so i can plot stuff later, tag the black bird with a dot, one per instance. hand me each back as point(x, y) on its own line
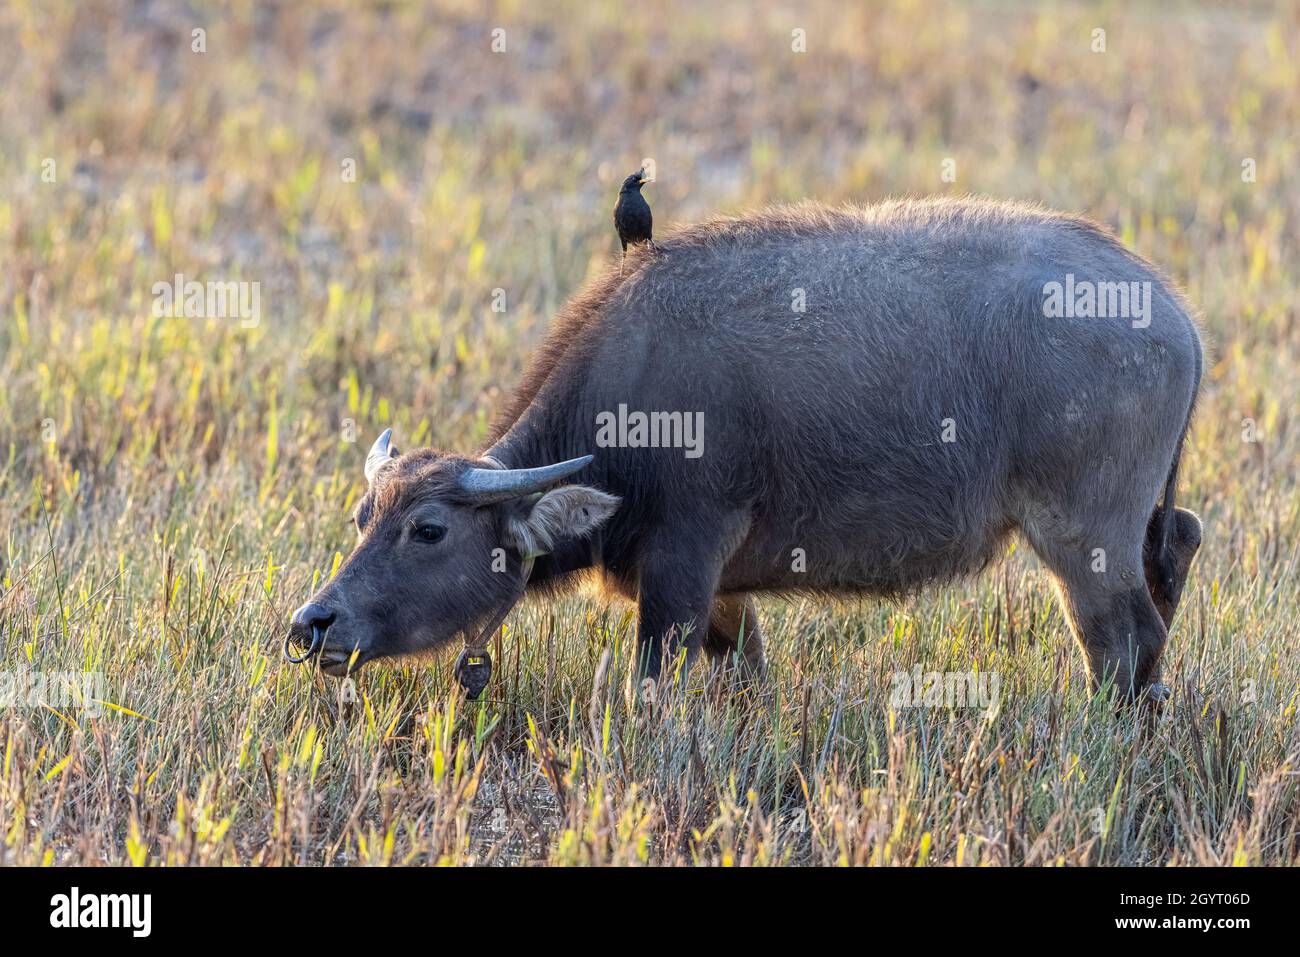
point(632, 216)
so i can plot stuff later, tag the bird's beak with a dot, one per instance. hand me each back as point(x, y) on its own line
point(643, 180)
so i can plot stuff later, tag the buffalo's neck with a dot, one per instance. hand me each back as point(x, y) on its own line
point(555, 571)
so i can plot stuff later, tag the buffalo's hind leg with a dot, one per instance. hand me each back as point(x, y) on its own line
point(1110, 610)
point(734, 636)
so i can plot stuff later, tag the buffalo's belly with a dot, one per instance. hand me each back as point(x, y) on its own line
point(884, 544)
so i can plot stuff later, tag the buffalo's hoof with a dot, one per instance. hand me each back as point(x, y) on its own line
point(1158, 693)
point(1155, 701)
point(473, 671)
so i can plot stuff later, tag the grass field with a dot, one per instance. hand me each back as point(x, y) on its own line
point(171, 488)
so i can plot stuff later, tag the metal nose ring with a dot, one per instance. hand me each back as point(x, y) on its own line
point(317, 639)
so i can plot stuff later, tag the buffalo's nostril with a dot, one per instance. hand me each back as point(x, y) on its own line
point(312, 615)
point(307, 630)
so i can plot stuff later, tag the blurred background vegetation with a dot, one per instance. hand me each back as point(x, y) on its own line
point(170, 488)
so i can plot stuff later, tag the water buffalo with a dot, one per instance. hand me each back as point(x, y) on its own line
point(811, 400)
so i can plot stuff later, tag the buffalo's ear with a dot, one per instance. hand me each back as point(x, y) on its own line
point(570, 511)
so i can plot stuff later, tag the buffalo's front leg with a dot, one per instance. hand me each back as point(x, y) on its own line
point(673, 614)
point(735, 637)
point(675, 587)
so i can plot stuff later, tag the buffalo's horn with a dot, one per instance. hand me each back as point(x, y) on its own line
point(380, 453)
point(486, 486)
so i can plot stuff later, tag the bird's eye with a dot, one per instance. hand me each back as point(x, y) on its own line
point(428, 532)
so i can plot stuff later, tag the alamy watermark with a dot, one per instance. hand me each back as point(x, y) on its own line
point(945, 689)
point(74, 909)
point(1085, 299)
point(651, 430)
point(61, 690)
point(211, 300)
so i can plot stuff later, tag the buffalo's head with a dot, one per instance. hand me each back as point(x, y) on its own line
point(442, 543)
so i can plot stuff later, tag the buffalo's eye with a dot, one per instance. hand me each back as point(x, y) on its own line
point(428, 532)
